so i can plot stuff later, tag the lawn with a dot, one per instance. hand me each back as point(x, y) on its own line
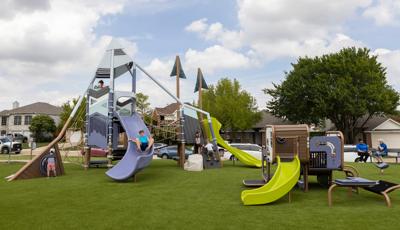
point(166, 197)
point(38, 145)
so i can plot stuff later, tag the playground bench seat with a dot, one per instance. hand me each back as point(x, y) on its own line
point(379, 187)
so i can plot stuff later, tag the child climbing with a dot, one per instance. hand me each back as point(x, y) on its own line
point(210, 151)
point(143, 141)
point(51, 164)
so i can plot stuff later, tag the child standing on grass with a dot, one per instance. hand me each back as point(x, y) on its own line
point(51, 164)
point(144, 142)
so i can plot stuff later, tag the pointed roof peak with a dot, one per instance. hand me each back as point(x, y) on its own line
point(114, 44)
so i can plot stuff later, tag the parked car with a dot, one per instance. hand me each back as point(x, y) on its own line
point(221, 151)
point(252, 149)
point(159, 145)
point(17, 137)
point(171, 152)
point(7, 146)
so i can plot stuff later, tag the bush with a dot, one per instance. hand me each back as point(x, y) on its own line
point(42, 128)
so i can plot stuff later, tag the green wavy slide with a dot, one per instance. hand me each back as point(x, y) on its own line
point(242, 156)
point(284, 179)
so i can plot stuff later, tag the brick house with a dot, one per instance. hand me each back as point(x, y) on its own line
point(165, 116)
point(18, 119)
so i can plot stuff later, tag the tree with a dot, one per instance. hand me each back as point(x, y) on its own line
point(143, 106)
point(79, 118)
point(235, 108)
point(42, 127)
point(348, 88)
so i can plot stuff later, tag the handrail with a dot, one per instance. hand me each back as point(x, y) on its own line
point(179, 101)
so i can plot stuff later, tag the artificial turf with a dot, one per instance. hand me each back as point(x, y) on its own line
point(166, 197)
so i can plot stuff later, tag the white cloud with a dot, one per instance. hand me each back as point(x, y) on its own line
point(273, 29)
point(52, 45)
point(384, 12)
point(216, 58)
point(390, 59)
point(216, 32)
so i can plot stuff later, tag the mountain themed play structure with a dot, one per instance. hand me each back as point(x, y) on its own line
point(110, 112)
point(297, 156)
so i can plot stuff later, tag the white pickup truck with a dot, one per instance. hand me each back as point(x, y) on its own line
point(7, 146)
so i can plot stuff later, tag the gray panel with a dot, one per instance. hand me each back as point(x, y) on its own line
point(97, 136)
point(96, 93)
point(190, 127)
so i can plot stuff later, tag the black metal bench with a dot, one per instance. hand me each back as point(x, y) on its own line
point(379, 187)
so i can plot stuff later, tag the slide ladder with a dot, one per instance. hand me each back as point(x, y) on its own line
point(284, 179)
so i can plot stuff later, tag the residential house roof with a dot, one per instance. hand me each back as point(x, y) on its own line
point(35, 108)
point(268, 118)
point(169, 109)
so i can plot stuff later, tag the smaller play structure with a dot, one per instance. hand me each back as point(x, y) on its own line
point(296, 154)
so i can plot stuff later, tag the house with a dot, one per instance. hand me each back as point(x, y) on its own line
point(165, 122)
point(256, 134)
point(18, 119)
point(383, 128)
point(165, 116)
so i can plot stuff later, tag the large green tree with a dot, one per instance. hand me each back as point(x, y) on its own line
point(234, 107)
point(78, 121)
point(348, 87)
point(42, 127)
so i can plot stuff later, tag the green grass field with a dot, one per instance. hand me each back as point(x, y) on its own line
point(166, 197)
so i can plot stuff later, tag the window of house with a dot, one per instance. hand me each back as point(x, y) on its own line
point(4, 120)
point(28, 120)
point(17, 120)
point(3, 132)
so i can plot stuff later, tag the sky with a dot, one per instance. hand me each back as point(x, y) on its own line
point(49, 49)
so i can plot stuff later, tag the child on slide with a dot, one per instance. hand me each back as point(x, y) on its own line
point(143, 142)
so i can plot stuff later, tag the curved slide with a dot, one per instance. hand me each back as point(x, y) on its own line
point(242, 156)
point(133, 160)
point(284, 179)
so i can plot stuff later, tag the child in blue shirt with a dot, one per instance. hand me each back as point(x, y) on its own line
point(144, 142)
point(362, 151)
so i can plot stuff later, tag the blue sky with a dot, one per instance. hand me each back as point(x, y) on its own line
point(52, 47)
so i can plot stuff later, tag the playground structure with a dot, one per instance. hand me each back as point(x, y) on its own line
point(296, 155)
point(110, 112)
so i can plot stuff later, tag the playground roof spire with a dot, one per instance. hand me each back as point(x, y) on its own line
point(175, 69)
point(200, 82)
point(122, 62)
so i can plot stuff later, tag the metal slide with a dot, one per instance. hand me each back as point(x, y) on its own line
point(133, 160)
point(242, 156)
point(284, 179)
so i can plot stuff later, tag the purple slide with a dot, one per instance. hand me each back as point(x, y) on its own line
point(133, 160)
